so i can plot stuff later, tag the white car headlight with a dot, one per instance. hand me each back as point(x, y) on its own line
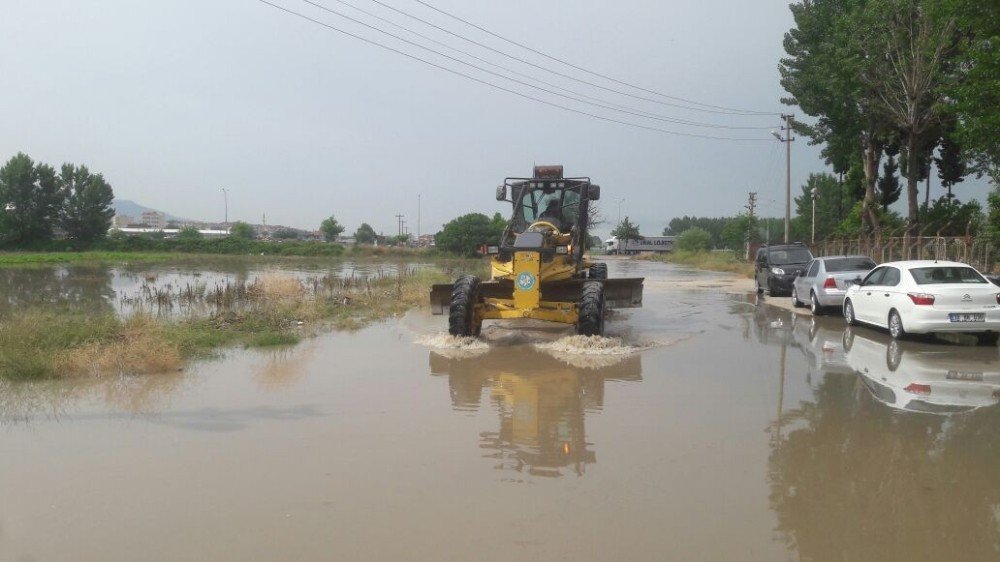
point(777, 271)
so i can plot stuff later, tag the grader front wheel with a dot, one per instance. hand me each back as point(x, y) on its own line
point(591, 310)
point(462, 319)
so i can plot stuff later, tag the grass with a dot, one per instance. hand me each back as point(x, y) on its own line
point(25, 258)
point(48, 342)
point(47, 258)
point(724, 261)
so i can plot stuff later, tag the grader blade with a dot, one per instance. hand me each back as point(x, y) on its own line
point(618, 293)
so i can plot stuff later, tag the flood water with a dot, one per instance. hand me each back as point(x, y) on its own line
point(716, 428)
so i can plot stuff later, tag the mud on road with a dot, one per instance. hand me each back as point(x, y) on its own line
point(707, 426)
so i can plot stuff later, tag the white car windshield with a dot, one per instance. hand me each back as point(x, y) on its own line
point(945, 274)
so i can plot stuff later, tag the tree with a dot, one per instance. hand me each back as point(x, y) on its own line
point(465, 234)
point(330, 228)
point(993, 215)
point(30, 201)
point(240, 229)
point(694, 239)
point(888, 185)
point(87, 213)
point(365, 234)
point(626, 231)
point(976, 90)
point(950, 162)
point(826, 59)
point(906, 45)
point(189, 233)
point(828, 195)
point(595, 242)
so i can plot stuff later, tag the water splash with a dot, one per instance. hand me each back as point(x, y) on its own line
point(589, 345)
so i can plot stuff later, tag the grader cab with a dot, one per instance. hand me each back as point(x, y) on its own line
point(540, 268)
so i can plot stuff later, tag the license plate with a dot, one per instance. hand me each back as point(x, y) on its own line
point(967, 317)
point(964, 376)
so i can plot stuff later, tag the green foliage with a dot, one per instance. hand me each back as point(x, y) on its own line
point(241, 230)
point(950, 217)
point(30, 201)
point(992, 226)
point(950, 162)
point(976, 94)
point(595, 242)
point(465, 234)
point(365, 234)
point(829, 207)
point(889, 188)
point(626, 231)
point(330, 228)
point(694, 239)
point(87, 213)
point(186, 233)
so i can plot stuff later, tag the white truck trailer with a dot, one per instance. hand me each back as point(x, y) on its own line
point(648, 244)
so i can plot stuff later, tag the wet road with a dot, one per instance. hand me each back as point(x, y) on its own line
point(716, 429)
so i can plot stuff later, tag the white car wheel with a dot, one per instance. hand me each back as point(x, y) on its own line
point(849, 313)
point(896, 326)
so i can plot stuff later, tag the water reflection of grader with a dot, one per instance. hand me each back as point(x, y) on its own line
point(539, 267)
point(542, 402)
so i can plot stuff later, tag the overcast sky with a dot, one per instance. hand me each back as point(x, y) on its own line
point(173, 101)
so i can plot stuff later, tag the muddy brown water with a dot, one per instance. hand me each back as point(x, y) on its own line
point(717, 428)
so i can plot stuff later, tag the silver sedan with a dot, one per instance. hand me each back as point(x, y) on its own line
point(825, 280)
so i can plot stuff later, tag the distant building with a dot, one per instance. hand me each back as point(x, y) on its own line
point(154, 219)
point(121, 221)
point(425, 240)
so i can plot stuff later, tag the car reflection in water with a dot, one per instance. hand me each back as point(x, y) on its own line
point(541, 398)
point(920, 377)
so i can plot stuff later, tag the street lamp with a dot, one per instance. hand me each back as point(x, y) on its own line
point(225, 200)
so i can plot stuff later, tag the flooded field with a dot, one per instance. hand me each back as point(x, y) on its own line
point(172, 289)
point(707, 426)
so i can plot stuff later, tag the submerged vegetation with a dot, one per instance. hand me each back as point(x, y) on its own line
point(163, 327)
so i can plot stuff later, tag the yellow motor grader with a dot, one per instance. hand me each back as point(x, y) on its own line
point(540, 268)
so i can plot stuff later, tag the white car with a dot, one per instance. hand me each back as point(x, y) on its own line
point(921, 297)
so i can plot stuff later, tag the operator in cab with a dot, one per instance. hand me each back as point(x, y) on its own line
point(552, 214)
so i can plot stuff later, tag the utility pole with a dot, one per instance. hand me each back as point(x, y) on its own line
point(787, 127)
point(812, 239)
point(751, 208)
point(225, 201)
point(418, 216)
point(399, 225)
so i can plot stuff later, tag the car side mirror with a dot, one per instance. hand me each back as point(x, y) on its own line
point(858, 280)
point(501, 193)
point(800, 273)
point(594, 192)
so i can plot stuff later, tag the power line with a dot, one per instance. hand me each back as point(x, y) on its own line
point(602, 105)
point(502, 88)
point(564, 75)
point(601, 102)
point(588, 71)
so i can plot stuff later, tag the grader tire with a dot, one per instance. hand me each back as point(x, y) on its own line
point(598, 271)
point(462, 310)
point(591, 310)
